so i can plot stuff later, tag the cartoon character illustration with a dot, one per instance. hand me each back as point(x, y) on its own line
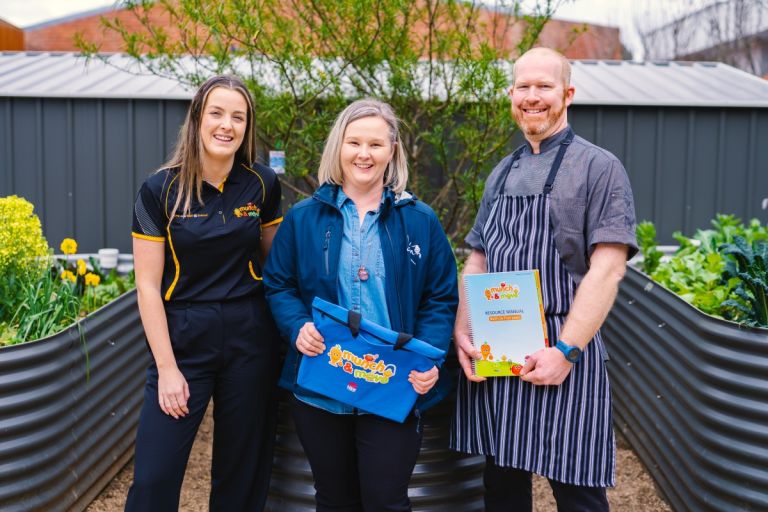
point(515, 369)
point(335, 355)
point(504, 358)
point(485, 351)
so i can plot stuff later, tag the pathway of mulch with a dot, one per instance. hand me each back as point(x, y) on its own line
point(634, 487)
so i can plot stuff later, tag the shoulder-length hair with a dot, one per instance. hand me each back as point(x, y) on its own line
point(396, 175)
point(187, 155)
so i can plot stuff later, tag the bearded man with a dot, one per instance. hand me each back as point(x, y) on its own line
point(563, 206)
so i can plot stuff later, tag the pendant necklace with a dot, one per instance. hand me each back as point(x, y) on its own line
point(362, 273)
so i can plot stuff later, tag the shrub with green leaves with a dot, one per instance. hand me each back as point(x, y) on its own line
point(23, 250)
point(721, 271)
point(442, 64)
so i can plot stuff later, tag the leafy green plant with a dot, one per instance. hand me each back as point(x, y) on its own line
point(646, 238)
point(721, 271)
point(23, 252)
point(442, 65)
point(46, 303)
point(749, 264)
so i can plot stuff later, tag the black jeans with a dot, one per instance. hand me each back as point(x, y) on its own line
point(509, 490)
point(359, 462)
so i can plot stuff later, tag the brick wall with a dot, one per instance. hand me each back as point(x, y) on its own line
point(575, 40)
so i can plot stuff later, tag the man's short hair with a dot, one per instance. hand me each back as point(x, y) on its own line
point(541, 51)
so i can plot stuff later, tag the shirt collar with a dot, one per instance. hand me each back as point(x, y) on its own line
point(341, 198)
point(550, 142)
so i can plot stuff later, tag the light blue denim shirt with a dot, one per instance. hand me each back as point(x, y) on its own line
point(360, 248)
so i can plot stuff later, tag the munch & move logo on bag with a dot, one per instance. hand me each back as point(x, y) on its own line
point(368, 367)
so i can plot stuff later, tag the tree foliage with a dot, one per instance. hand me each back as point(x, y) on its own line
point(442, 64)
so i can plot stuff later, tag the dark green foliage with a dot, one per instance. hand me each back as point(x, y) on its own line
point(748, 264)
point(721, 271)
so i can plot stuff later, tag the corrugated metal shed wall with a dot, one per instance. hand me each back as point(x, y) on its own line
point(80, 161)
point(685, 164)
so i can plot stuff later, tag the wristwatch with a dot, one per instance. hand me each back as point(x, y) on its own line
point(572, 354)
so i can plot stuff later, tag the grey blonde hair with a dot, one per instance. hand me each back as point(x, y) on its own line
point(396, 175)
point(187, 155)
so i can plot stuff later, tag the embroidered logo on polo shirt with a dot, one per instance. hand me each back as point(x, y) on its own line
point(249, 210)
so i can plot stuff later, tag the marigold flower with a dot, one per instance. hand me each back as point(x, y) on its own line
point(68, 275)
point(81, 268)
point(68, 246)
point(92, 279)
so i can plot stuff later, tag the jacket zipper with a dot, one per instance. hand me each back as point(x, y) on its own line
point(326, 243)
point(397, 284)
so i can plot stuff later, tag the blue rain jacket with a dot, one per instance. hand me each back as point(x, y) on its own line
point(421, 290)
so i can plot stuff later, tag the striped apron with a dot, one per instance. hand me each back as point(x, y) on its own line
point(560, 432)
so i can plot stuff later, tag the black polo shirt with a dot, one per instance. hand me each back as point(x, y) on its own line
point(211, 254)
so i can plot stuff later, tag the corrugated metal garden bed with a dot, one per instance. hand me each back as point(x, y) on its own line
point(691, 396)
point(67, 421)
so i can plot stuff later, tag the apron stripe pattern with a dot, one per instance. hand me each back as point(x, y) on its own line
point(560, 432)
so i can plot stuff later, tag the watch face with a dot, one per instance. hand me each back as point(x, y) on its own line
point(573, 354)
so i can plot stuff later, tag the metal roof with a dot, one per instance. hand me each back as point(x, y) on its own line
point(664, 83)
point(704, 84)
point(70, 75)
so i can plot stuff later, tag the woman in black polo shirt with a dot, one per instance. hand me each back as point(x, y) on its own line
point(202, 228)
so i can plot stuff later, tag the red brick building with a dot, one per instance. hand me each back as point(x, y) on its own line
point(575, 40)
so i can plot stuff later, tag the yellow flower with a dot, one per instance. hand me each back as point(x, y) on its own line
point(92, 279)
point(68, 246)
point(68, 275)
point(81, 269)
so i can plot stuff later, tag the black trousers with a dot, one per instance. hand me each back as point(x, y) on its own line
point(509, 490)
point(359, 462)
point(226, 351)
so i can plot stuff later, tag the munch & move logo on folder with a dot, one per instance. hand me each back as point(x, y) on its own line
point(506, 320)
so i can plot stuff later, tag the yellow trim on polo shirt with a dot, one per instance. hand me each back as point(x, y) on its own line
point(263, 188)
point(272, 222)
point(148, 237)
point(168, 193)
point(221, 185)
point(253, 274)
point(176, 263)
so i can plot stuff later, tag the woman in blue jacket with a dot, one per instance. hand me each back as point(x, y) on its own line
point(363, 242)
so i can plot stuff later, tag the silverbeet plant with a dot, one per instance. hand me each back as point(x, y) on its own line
point(721, 271)
point(748, 263)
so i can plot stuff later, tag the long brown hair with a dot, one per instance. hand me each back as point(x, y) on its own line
point(187, 155)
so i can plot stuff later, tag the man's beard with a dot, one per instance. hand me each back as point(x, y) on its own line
point(535, 128)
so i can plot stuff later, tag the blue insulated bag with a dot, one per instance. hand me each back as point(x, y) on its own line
point(364, 364)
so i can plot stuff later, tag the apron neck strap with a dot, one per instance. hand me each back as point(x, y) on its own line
point(558, 160)
point(552, 171)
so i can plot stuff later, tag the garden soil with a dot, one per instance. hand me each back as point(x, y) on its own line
point(634, 489)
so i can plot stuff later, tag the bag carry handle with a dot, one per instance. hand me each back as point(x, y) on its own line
point(353, 322)
point(402, 339)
